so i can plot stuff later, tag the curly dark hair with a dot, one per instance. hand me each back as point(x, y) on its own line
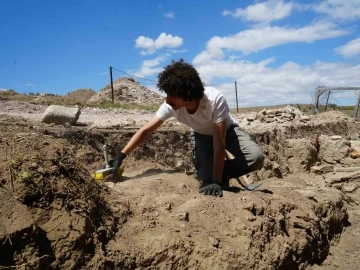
point(180, 79)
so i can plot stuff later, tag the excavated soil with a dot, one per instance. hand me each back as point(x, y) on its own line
point(55, 216)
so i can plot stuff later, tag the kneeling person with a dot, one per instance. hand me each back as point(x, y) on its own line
point(206, 112)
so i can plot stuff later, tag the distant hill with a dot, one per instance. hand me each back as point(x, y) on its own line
point(81, 95)
point(127, 90)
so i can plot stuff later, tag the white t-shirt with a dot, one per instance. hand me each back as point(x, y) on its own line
point(213, 108)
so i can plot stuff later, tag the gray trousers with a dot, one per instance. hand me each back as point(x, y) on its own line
point(248, 155)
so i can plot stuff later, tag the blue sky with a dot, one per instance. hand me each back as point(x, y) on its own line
point(278, 51)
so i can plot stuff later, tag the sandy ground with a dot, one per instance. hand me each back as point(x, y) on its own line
point(155, 217)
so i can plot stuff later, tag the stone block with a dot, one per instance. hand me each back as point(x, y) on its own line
point(343, 177)
point(322, 169)
point(347, 169)
point(60, 115)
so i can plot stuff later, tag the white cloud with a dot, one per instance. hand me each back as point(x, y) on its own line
point(170, 15)
point(256, 39)
point(163, 41)
point(351, 48)
point(259, 84)
point(340, 9)
point(103, 73)
point(30, 84)
point(178, 51)
point(150, 67)
point(267, 11)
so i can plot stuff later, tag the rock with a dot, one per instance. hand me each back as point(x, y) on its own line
point(249, 207)
point(347, 169)
point(262, 112)
point(355, 145)
point(180, 165)
point(260, 117)
point(349, 187)
point(342, 177)
point(322, 169)
point(301, 154)
point(287, 115)
point(59, 115)
point(354, 154)
point(214, 241)
point(331, 150)
point(299, 219)
point(275, 166)
point(305, 118)
point(183, 216)
point(168, 206)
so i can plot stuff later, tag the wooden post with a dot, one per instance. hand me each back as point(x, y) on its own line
point(357, 107)
point(112, 87)
point(237, 107)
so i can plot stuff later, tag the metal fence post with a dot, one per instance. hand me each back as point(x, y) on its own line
point(112, 87)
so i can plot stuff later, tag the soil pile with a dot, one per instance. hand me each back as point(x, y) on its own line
point(80, 95)
point(332, 114)
point(53, 215)
point(127, 90)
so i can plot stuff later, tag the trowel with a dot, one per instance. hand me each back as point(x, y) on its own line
point(102, 174)
point(248, 185)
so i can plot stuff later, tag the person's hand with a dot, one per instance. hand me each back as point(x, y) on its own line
point(212, 189)
point(117, 161)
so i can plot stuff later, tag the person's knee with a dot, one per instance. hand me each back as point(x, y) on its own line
point(258, 159)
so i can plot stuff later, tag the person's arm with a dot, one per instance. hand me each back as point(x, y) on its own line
point(139, 137)
point(142, 134)
point(219, 140)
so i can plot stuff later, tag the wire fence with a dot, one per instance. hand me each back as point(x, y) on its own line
point(334, 99)
point(347, 101)
point(155, 81)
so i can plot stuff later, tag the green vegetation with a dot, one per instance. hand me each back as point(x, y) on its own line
point(127, 106)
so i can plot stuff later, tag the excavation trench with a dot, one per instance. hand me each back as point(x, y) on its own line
point(54, 215)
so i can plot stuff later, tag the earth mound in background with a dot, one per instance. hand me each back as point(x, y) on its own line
point(127, 90)
point(81, 95)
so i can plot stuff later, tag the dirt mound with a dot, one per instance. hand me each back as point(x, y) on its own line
point(332, 115)
point(53, 215)
point(80, 95)
point(9, 92)
point(127, 90)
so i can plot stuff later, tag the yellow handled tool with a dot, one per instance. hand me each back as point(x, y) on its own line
point(102, 174)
